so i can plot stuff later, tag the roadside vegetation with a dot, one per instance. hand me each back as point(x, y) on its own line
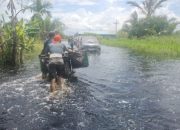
point(19, 37)
point(150, 34)
point(163, 46)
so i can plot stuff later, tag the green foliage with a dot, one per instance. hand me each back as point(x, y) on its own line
point(150, 25)
point(33, 28)
point(155, 25)
point(36, 50)
point(40, 8)
point(53, 25)
point(24, 42)
point(148, 7)
point(17, 37)
point(163, 46)
point(42, 19)
point(177, 32)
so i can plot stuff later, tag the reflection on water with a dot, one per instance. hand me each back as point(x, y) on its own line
point(118, 91)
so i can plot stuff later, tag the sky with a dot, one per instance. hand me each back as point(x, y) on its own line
point(100, 16)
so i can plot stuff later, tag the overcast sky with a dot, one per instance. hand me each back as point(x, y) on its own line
point(100, 15)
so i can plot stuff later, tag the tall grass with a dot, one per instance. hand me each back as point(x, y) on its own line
point(28, 55)
point(34, 52)
point(164, 46)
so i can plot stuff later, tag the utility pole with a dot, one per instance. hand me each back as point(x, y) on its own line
point(116, 26)
point(21, 4)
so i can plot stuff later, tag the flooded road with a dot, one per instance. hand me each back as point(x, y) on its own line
point(118, 91)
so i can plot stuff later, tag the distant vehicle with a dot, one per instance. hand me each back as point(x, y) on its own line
point(90, 44)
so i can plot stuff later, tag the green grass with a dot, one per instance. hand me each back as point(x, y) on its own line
point(164, 46)
point(28, 55)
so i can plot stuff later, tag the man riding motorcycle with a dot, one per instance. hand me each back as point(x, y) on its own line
point(44, 68)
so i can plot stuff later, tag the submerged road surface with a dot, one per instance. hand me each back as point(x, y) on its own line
point(118, 91)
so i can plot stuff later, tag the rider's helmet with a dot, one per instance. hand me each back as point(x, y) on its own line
point(57, 38)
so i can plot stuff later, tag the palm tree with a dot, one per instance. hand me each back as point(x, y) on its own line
point(148, 7)
point(40, 8)
point(53, 25)
point(57, 25)
point(133, 18)
point(132, 21)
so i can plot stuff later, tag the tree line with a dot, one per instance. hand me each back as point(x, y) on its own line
point(150, 24)
point(18, 35)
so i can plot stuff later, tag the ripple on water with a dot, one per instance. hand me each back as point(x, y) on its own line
point(119, 90)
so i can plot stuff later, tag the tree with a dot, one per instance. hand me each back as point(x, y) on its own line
point(58, 26)
point(155, 25)
point(131, 22)
point(40, 8)
point(13, 38)
point(148, 7)
point(151, 24)
point(53, 25)
point(12, 9)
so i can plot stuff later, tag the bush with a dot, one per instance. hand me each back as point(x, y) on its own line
point(156, 25)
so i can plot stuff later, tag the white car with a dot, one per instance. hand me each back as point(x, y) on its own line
point(90, 44)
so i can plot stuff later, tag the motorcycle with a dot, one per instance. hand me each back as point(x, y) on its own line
point(72, 60)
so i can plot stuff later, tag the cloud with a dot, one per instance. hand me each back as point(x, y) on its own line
point(111, 1)
point(18, 4)
point(97, 15)
point(74, 2)
point(83, 20)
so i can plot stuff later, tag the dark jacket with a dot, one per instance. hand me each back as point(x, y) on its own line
point(46, 47)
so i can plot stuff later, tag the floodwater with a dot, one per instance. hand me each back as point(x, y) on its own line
point(120, 90)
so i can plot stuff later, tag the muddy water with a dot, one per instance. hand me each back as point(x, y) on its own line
point(118, 91)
